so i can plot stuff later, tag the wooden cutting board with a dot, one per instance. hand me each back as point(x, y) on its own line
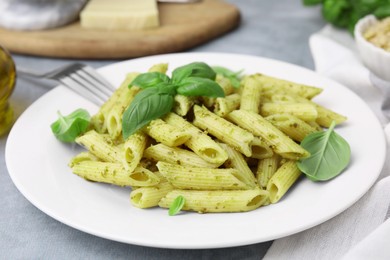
point(183, 26)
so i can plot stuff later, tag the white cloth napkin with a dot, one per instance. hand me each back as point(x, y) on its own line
point(360, 232)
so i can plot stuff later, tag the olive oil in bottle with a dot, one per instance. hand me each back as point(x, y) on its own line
point(7, 83)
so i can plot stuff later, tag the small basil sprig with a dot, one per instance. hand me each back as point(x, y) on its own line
point(234, 77)
point(67, 128)
point(346, 13)
point(330, 154)
point(157, 97)
point(176, 205)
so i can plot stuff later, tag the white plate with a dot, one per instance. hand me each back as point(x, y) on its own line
point(37, 163)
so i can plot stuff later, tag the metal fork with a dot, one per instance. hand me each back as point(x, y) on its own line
point(80, 78)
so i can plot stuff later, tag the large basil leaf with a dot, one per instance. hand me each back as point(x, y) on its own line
point(149, 104)
point(195, 69)
point(330, 154)
point(194, 86)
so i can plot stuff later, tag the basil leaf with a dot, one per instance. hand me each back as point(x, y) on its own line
point(67, 128)
point(234, 77)
point(337, 12)
point(149, 79)
point(149, 104)
point(382, 11)
point(176, 205)
point(195, 69)
point(330, 154)
point(194, 86)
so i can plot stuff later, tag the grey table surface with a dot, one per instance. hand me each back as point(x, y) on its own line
point(273, 29)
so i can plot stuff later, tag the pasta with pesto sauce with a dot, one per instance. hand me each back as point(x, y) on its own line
point(227, 154)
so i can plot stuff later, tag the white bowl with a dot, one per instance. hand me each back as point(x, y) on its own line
point(376, 59)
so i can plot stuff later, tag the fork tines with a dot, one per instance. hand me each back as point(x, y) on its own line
point(85, 81)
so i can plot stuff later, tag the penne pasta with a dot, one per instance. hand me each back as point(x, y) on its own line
point(224, 106)
point(183, 104)
point(269, 83)
point(226, 154)
point(265, 170)
point(282, 180)
point(133, 150)
point(260, 148)
point(237, 161)
point(114, 173)
point(165, 133)
point(256, 124)
point(147, 197)
point(98, 121)
point(250, 95)
point(227, 87)
point(304, 111)
point(292, 126)
point(160, 67)
point(113, 118)
point(195, 178)
point(200, 143)
point(161, 152)
point(224, 130)
point(217, 201)
point(101, 146)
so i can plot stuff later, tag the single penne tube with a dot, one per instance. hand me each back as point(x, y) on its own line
point(114, 173)
point(225, 84)
point(224, 106)
point(304, 111)
point(302, 90)
point(97, 122)
point(208, 101)
point(161, 152)
point(183, 104)
point(223, 130)
point(280, 143)
point(217, 201)
point(266, 169)
point(160, 67)
point(133, 149)
point(200, 143)
point(101, 146)
point(292, 126)
point(167, 134)
point(282, 180)
point(325, 116)
point(237, 161)
point(113, 120)
point(196, 178)
point(250, 95)
point(260, 148)
point(147, 197)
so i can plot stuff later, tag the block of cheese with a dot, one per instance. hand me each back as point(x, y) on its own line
point(120, 14)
